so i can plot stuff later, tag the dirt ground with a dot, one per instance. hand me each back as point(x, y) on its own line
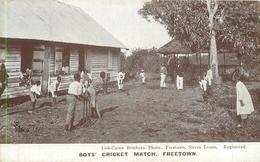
point(141, 113)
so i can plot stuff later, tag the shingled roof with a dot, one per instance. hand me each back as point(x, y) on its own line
point(51, 20)
point(174, 47)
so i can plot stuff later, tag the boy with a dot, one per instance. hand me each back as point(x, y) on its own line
point(54, 87)
point(74, 94)
point(163, 76)
point(203, 86)
point(209, 78)
point(26, 78)
point(244, 102)
point(90, 95)
point(105, 79)
point(35, 92)
point(120, 78)
point(142, 75)
point(3, 78)
point(179, 78)
point(3, 81)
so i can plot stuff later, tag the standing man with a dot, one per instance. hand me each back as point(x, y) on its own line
point(163, 76)
point(244, 102)
point(74, 94)
point(120, 79)
point(179, 78)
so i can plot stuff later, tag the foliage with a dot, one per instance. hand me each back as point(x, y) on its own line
point(146, 59)
point(122, 61)
point(236, 23)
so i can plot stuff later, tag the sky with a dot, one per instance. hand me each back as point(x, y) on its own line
point(121, 19)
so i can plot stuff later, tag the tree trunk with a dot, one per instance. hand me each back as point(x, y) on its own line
point(213, 44)
point(213, 57)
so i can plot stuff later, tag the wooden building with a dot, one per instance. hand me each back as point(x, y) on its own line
point(51, 38)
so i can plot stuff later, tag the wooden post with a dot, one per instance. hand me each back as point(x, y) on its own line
point(110, 60)
point(208, 58)
point(197, 59)
point(86, 64)
point(175, 63)
point(46, 68)
point(200, 62)
point(224, 58)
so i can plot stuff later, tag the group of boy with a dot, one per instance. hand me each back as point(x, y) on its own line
point(244, 103)
point(82, 89)
point(179, 77)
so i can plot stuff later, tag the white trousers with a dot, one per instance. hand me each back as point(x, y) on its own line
point(120, 84)
point(143, 79)
point(179, 82)
point(163, 77)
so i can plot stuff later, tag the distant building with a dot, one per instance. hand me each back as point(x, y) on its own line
point(175, 51)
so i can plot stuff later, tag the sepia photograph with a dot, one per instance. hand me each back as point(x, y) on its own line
point(130, 72)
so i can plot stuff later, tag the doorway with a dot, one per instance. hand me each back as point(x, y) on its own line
point(81, 60)
point(26, 56)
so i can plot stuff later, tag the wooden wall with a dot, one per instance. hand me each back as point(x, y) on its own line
point(74, 61)
point(12, 60)
point(103, 59)
point(115, 64)
point(98, 61)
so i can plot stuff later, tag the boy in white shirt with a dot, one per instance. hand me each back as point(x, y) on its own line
point(35, 92)
point(179, 77)
point(163, 76)
point(244, 102)
point(74, 94)
point(142, 75)
point(54, 87)
point(120, 79)
point(209, 78)
point(203, 85)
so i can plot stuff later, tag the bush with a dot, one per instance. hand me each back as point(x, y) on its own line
point(146, 59)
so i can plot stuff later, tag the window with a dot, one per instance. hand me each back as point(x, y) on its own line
point(62, 61)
